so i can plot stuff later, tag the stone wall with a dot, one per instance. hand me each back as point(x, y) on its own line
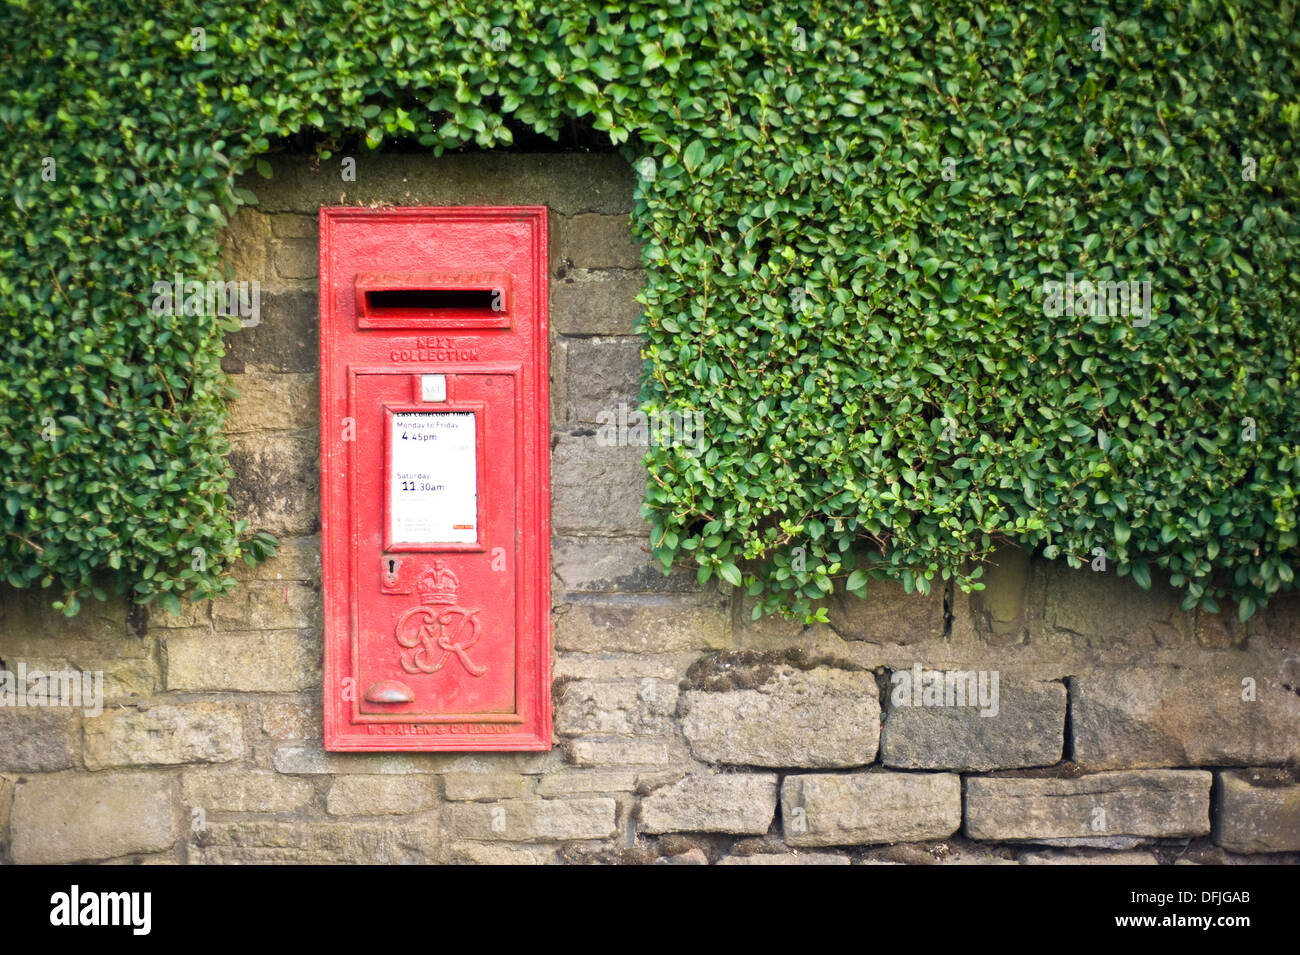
point(1125, 729)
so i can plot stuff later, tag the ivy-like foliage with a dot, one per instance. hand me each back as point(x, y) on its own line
point(852, 215)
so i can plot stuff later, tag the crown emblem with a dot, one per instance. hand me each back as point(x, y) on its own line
point(438, 586)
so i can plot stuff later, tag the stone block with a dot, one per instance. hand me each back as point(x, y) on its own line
point(594, 489)
point(1159, 803)
point(227, 789)
point(273, 661)
point(595, 241)
point(888, 615)
point(473, 787)
point(164, 735)
point(1025, 726)
point(597, 303)
point(277, 481)
point(604, 382)
point(352, 842)
point(836, 809)
point(1258, 811)
point(286, 338)
point(37, 740)
point(360, 795)
point(819, 718)
point(1238, 714)
point(740, 803)
point(72, 817)
point(542, 820)
point(274, 402)
point(619, 565)
point(590, 708)
point(641, 624)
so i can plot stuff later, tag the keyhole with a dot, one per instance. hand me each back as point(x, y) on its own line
point(392, 567)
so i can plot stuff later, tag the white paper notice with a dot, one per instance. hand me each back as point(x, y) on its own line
point(434, 477)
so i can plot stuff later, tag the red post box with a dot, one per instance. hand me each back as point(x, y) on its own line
point(435, 478)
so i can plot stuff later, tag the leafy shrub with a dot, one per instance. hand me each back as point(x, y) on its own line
point(850, 213)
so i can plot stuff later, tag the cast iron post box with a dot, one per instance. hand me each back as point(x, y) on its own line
point(435, 478)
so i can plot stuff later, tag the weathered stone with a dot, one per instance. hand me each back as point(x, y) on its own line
point(310, 759)
point(88, 678)
point(27, 621)
point(622, 751)
point(297, 558)
point(263, 661)
point(223, 789)
point(888, 614)
point(787, 858)
point(1009, 608)
point(601, 303)
point(76, 818)
point(268, 605)
point(625, 666)
point(494, 853)
point(285, 339)
point(820, 718)
point(613, 565)
point(244, 245)
point(585, 707)
point(165, 735)
point(604, 381)
point(37, 740)
point(1279, 623)
point(1025, 727)
point(863, 808)
point(190, 613)
point(734, 803)
point(353, 842)
point(1258, 811)
point(291, 720)
point(291, 226)
point(1162, 716)
point(1218, 631)
point(470, 787)
point(542, 820)
point(593, 241)
point(1156, 803)
point(586, 781)
point(358, 795)
point(1099, 609)
point(569, 183)
point(595, 489)
point(277, 481)
point(296, 259)
point(274, 402)
point(643, 624)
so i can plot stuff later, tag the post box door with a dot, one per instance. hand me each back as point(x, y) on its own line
point(435, 639)
point(435, 478)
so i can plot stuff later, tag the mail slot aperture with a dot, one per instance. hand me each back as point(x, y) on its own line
point(435, 479)
point(424, 299)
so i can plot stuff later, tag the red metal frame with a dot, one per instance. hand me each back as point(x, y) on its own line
point(496, 367)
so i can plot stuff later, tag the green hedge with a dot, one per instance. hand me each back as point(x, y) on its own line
point(850, 213)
